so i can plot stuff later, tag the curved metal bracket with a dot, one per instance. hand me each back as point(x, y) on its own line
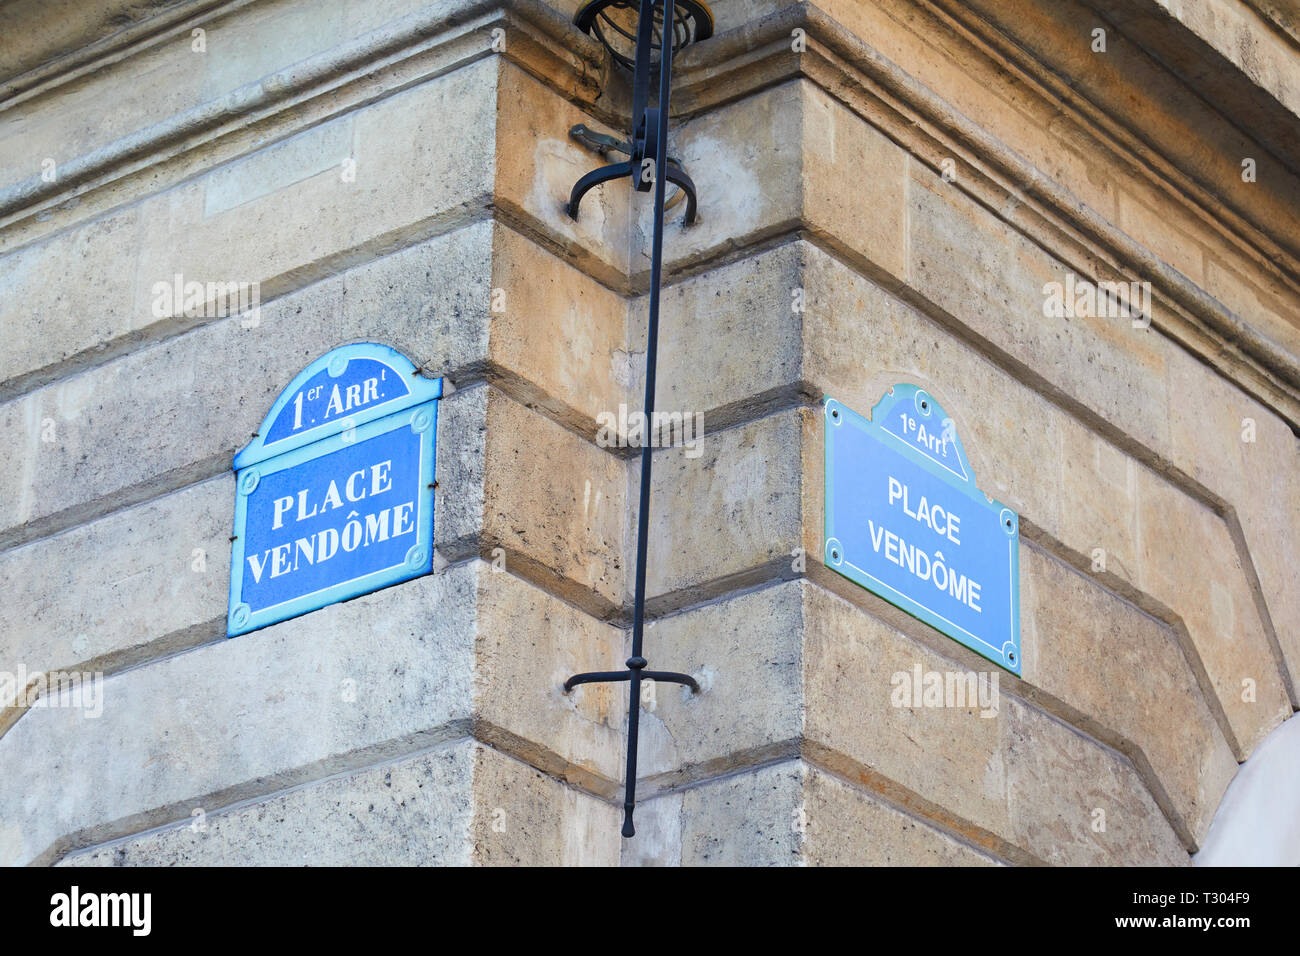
point(595, 178)
point(603, 677)
point(676, 175)
point(686, 187)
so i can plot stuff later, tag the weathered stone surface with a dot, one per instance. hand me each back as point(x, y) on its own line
point(1089, 502)
point(517, 481)
point(459, 803)
point(268, 222)
point(402, 179)
point(744, 820)
point(720, 149)
point(74, 121)
point(1014, 438)
point(562, 336)
point(384, 674)
point(135, 583)
point(163, 79)
point(1205, 583)
point(658, 839)
point(1008, 769)
point(184, 406)
point(992, 279)
point(793, 661)
point(790, 813)
point(1126, 671)
point(100, 420)
point(347, 685)
point(845, 827)
point(149, 574)
point(729, 337)
point(77, 288)
point(527, 644)
point(1100, 484)
point(736, 506)
point(955, 57)
point(1093, 503)
point(526, 818)
point(1162, 237)
point(425, 723)
point(412, 812)
point(746, 654)
point(1232, 29)
point(807, 142)
point(1269, 513)
point(537, 165)
point(873, 218)
point(1242, 451)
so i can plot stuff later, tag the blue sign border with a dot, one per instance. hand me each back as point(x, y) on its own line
point(960, 477)
point(417, 410)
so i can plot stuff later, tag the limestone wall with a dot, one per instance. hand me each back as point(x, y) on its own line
point(886, 190)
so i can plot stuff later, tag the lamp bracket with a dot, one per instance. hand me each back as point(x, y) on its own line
point(601, 19)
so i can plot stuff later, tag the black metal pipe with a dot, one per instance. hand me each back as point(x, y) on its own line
point(651, 367)
point(650, 134)
point(641, 75)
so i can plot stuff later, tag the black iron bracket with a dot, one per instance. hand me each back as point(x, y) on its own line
point(649, 142)
point(602, 144)
point(642, 150)
point(633, 664)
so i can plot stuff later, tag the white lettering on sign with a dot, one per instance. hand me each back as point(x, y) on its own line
point(358, 531)
point(379, 483)
point(341, 400)
point(932, 516)
point(935, 441)
point(915, 558)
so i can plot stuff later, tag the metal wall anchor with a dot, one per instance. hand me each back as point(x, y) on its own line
point(606, 20)
point(602, 143)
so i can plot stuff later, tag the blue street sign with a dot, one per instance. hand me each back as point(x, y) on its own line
point(905, 521)
point(334, 497)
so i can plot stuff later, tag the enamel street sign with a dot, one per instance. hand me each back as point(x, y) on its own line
point(905, 520)
point(334, 497)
